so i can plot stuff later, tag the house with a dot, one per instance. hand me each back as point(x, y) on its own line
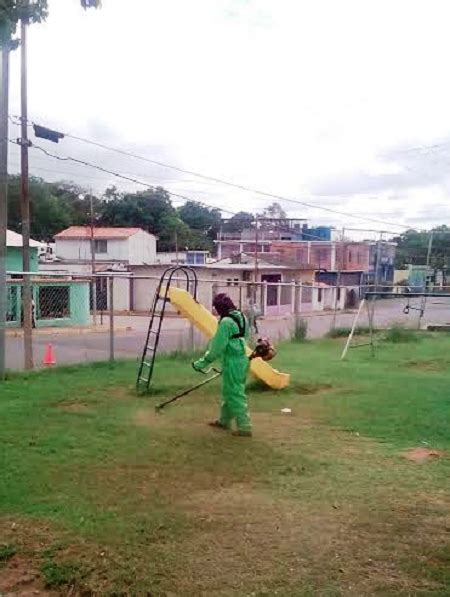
point(381, 263)
point(275, 289)
point(57, 301)
point(14, 246)
point(269, 231)
point(126, 246)
point(325, 255)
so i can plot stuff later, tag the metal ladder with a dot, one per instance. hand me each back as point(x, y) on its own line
point(160, 301)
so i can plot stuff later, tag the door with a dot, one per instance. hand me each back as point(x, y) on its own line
point(272, 291)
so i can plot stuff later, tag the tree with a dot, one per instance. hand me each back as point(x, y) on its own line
point(275, 212)
point(412, 248)
point(12, 11)
point(239, 222)
point(199, 217)
point(54, 207)
point(146, 209)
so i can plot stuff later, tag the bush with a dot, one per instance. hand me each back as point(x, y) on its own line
point(58, 575)
point(7, 551)
point(300, 330)
point(343, 332)
point(398, 334)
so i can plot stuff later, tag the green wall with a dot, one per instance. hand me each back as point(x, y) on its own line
point(79, 313)
point(14, 259)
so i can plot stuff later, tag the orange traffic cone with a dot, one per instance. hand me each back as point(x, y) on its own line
point(49, 356)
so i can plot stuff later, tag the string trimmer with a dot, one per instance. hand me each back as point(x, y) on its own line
point(263, 350)
point(217, 374)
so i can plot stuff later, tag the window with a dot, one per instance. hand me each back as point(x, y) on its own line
point(359, 259)
point(229, 281)
point(319, 295)
point(236, 281)
point(11, 304)
point(54, 302)
point(101, 246)
point(349, 256)
point(339, 293)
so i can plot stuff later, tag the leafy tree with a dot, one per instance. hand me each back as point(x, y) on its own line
point(199, 217)
point(147, 209)
point(174, 233)
point(204, 223)
point(49, 214)
point(239, 222)
point(274, 211)
point(412, 248)
point(11, 11)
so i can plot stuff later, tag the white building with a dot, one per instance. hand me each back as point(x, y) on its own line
point(128, 246)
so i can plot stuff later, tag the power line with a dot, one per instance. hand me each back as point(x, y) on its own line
point(147, 185)
point(117, 175)
point(228, 183)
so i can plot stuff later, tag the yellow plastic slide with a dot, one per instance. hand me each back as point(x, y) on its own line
point(205, 321)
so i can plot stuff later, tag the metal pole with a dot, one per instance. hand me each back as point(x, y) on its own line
point(4, 99)
point(93, 267)
point(256, 262)
point(338, 281)
point(111, 319)
point(423, 301)
point(350, 336)
point(25, 203)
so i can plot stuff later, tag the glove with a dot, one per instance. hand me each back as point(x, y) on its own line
point(200, 365)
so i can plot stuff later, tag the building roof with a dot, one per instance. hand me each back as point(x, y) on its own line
point(84, 232)
point(15, 240)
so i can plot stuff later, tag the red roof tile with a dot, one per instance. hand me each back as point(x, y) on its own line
point(84, 232)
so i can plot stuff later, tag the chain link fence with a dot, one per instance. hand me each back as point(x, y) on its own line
point(105, 317)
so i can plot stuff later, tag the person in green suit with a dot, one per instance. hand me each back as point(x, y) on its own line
point(229, 345)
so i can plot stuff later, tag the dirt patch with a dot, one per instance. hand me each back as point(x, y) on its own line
point(421, 455)
point(74, 407)
point(310, 389)
point(432, 366)
point(21, 579)
point(147, 417)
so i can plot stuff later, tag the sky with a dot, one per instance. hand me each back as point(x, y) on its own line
point(342, 105)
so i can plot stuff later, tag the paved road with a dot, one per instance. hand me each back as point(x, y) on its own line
point(88, 347)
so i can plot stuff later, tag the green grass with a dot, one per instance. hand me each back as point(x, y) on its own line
point(343, 332)
point(100, 493)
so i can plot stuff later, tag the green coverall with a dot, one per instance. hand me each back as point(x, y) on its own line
point(235, 364)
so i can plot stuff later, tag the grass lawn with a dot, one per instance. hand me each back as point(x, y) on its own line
point(100, 495)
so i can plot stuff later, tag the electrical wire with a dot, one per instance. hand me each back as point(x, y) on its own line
point(117, 175)
point(225, 182)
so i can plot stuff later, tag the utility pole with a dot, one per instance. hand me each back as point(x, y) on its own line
point(255, 293)
point(25, 201)
point(93, 267)
point(423, 301)
point(338, 280)
point(4, 100)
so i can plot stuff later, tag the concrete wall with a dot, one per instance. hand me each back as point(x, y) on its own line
point(142, 248)
point(117, 250)
point(79, 314)
point(14, 259)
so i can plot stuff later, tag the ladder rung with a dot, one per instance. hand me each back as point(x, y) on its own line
point(152, 348)
point(145, 364)
point(143, 379)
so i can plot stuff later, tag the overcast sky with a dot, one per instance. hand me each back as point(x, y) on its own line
point(342, 104)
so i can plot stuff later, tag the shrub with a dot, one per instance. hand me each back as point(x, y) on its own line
point(343, 332)
point(300, 330)
point(7, 551)
point(398, 334)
